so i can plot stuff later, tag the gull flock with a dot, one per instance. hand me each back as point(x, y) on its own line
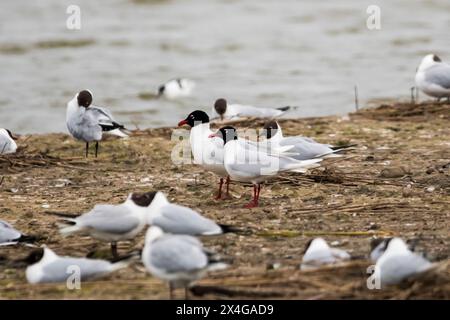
point(172, 252)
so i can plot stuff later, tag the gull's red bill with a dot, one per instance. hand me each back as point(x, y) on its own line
point(182, 123)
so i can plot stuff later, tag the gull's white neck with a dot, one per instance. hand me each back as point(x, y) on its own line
point(318, 245)
point(153, 210)
point(427, 63)
point(396, 246)
point(72, 107)
point(278, 136)
point(153, 234)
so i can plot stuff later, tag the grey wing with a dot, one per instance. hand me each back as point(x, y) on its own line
point(253, 163)
point(181, 220)
point(175, 254)
point(7, 232)
point(102, 113)
point(110, 219)
point(60, 269)
point(440, 75)
point(306, 149)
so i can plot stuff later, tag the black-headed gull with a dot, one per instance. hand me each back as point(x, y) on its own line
point(378, 247)
point(245, 163)
point(318, 253)
point(7, 143)
point(433, 77)
point(176, 219)
point(45, 266)
point(176, 88)
point(228, 111)
point(303, 148)
point(112, 223)
point(398, 263)
point(206, 152)
point(87, 122)
point(177, 259)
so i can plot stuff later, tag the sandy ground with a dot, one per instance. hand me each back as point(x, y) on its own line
point(394, 183)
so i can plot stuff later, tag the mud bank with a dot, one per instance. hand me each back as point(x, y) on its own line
point(396, 182)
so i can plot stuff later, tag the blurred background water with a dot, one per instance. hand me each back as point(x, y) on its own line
point(264, 53)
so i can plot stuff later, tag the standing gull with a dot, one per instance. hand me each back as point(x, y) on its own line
point(206, 152)
point(45, 266)
point(87, 122)
point(7, 143)
point(245, 163)
point(304, 148)
point(319, 253)
point(224, 110)
point(433, 77)
point(112, 223)
point(177, 259)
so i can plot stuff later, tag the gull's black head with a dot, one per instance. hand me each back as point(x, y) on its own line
point(221, 107)
point(84, 98)
point(35, 256)
point(270, 129)
point(436, 58)
point(194, 118)
point(307, 245)
point(375, 242)
point(227, 133)
point(143, 199)
point(11, 135)
point(161, 90)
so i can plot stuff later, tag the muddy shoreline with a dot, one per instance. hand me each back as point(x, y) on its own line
point(395, 182)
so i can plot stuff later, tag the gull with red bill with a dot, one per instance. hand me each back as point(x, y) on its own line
point(206, 152)
point(245, 163)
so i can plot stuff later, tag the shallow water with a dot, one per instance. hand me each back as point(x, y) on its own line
point(265, 53)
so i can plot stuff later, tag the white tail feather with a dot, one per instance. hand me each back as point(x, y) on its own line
point(217, 266)
point(304, 165)
point(68, 230)
point(117, 132)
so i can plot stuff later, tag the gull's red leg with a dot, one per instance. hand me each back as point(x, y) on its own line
point(227, 195)
point(219, 194)
point(257, 194)
point(254, 202)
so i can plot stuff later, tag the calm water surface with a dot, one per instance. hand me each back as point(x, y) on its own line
point(265, 53)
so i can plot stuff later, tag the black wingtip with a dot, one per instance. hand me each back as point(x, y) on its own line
point(27, 238)
point(226, 228)
point(113, 126)
point(284, 108)
point(343, 147)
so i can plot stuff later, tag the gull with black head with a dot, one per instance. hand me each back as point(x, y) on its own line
point(245, 163)
point(113, 223)
point(45, 266)
point(303, 148)
point(87, 122)
point(206, 152)
point(224, 111)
